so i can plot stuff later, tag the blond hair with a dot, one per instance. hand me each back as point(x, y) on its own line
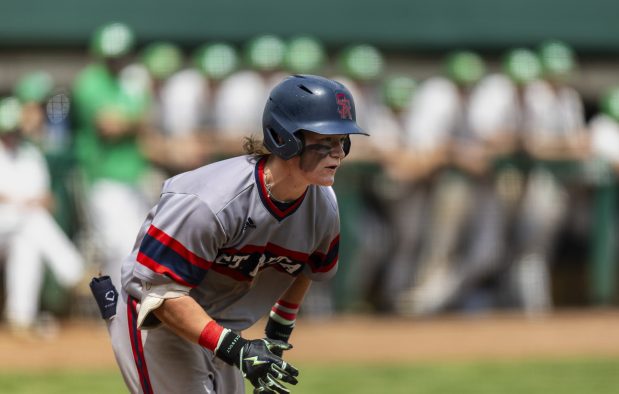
point(254, 146)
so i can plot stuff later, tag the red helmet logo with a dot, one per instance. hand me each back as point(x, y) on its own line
point(344, 107)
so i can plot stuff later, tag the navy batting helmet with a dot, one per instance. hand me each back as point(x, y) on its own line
point(306, 102)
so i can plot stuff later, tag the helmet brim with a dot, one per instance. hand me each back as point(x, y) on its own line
point(333, 128)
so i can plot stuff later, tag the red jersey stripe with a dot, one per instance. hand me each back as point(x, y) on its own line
point(173, 244)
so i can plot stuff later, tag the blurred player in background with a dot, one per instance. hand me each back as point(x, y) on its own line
point(230, 241)
point(359, 67)
point(242, 94)
point(304, 55)
point(180, 97)
point(461, 233)
point(388, 274)
point(29, 236)
point(554, 137)
point(216, 61)
point(33, 90)
point(604, 128)
point(108, 115)
point(501, 116)
point(45, 122)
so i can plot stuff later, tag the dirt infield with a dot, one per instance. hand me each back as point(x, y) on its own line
point(85, 344)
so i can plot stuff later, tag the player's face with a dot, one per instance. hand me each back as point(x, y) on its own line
point(321, 157)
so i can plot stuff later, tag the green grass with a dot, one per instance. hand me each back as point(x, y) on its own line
point(599, 376)
point(565, 377)
point(62, 382)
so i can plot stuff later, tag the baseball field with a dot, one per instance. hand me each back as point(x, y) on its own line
point(567, 352)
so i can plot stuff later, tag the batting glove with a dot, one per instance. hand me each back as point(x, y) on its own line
point(257, 361)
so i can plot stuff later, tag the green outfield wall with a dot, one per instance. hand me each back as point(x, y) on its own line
point(392, 24)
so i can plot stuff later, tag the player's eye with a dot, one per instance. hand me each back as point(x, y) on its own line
point(329, 145)
point(321, 149)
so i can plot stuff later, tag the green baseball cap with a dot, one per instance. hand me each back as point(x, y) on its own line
point(557, 59)
point(304, 55)
point(465, 67)
point(362, 62)
point(216, 60)
point(34, 87)
point(610, 103)
point(265, 53)
point(10, 114)
point(397, 91)
point(112, 40)
point(162, 59)
point(522, 65)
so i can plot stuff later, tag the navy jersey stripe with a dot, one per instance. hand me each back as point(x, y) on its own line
point(320, 262)
point(170, 261)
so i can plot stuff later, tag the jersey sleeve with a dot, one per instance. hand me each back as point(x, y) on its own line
point(323, 262)
point(181, 242)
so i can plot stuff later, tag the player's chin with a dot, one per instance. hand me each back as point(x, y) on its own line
point(326, 180)
point(323, 177)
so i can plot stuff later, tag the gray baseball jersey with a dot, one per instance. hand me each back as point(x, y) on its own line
point(216, 230)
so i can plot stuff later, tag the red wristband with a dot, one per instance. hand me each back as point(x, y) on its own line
point(284, 312)
point(209, 338)
point(287, 304)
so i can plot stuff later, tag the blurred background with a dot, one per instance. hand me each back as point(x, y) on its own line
point(488, 184)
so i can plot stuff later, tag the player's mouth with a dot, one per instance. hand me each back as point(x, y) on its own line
point(333, 167)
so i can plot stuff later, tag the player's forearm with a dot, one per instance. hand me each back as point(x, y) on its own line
point(184, 316)
point(283, 315)
point(297, 290)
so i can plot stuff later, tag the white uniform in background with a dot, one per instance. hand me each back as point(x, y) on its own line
point(240, 101)
point(605, 138)
point(29, 236)
point(183, 103)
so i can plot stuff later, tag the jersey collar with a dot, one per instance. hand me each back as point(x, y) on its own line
point(266, 200)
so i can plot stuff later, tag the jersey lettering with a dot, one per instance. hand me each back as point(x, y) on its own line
point(251, 263)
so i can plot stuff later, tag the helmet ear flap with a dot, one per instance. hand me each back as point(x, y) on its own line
point(284, 145)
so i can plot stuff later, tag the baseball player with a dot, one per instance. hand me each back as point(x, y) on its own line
point(231, 242)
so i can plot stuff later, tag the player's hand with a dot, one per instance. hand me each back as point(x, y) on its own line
point(264, 369)
point(278, 331)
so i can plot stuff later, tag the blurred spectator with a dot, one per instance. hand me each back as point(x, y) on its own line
point(603, 167)
point(365, 233)
point(216, 61)
point(499, 118)
point(242, 95)
point(556, 109)
point(430, 121)
point(45, 122)
point(108, 115)
point(33, 90)
point(29, 236)
point(463, 237)
point(604, 129)
point(180, 99)
point(304, 55)
point(398, 203)
point(554, 138)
